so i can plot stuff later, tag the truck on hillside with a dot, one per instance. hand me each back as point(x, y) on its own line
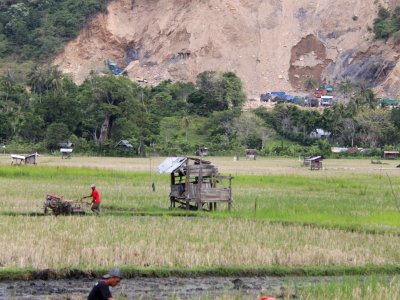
point(114, 68)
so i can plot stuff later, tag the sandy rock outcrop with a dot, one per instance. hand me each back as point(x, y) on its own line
point(271, 45)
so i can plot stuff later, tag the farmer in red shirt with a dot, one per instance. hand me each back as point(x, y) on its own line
point(95, 200)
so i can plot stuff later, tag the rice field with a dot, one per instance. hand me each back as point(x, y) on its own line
point(184, 242)
point(355, 288)
point(283, 215)
point(347, 193)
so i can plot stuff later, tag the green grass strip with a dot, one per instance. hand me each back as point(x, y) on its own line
point(224, 271)
point(121, 212)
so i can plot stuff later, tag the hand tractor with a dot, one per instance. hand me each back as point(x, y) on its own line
point(59, 206)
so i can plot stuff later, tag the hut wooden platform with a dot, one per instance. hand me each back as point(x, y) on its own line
point(196, 183)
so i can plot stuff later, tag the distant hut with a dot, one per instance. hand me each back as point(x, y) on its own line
point(314, 162)
point(66, 149)
point(320, 134)
point(29, 159)
point(251, 154)
point(202, 151)
point(124, 144)
point(196, 183)
point(390, 154)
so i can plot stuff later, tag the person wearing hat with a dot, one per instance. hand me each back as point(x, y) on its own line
point(95, 200)
point(101, 291)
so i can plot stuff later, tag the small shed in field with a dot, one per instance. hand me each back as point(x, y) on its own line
point(202, 151)
point(124, 144)
point(314, 162)
point(29, 159)
point(390, 154)
point(196, 183)
point(66, 152)
point(66, 149)
point(251, 154)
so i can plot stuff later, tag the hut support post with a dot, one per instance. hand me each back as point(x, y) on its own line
point(199, 184)
point(187, 184)
point(172, 199)
point(230, 192)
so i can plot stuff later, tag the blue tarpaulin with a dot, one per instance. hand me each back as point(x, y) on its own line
point(278, 93)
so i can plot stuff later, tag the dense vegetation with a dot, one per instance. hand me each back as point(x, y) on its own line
point(47, 108)
point(171, 117)
point(387, 24)
point(37, 29)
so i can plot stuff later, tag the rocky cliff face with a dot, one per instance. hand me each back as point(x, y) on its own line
point(271, 45)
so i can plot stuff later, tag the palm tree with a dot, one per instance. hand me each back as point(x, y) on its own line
point(54, 80)
point(45, 79)
point(37, 79)
point(364, 96)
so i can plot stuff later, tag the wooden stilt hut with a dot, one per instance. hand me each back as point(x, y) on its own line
point(196, 183)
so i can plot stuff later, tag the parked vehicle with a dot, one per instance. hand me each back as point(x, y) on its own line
point(265, 97)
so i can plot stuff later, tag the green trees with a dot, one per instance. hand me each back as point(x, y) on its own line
point(375, 128)
point(232, 90)
point(176, 118)
point(356, 123)
point(386, 23)
point(184, 108)
point(55, 134)
point(6, 129)
point(292, 122)
point(106, 99)
point(31, 128)
point(216, 92)
point(54, 98)
point(249, 130)
point(36, 29)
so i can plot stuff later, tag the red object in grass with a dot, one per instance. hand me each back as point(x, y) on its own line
point(267, 298)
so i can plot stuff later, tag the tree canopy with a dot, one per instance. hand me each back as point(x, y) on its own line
point(48, 108)
point(37, 29)
point(387, 23)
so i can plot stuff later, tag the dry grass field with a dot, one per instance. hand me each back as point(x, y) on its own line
point(261, 166)
point(183, 242)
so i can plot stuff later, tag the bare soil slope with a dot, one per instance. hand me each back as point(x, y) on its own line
point(271, 45)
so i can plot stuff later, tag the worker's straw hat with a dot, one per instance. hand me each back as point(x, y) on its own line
point(93, 186)
point(113, 273)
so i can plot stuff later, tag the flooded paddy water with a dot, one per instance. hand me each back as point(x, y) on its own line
point(246, 288)
point(160, 288)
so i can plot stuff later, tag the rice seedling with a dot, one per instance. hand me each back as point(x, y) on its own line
point(354, 288)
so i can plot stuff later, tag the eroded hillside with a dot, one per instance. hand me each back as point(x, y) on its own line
point(271, 45)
